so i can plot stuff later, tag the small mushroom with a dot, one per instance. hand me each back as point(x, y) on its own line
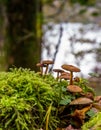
point(81, 101)
point(65, 73)
point(58, 71)
point(72, 69)
point(74, 88)
point(88, 95)
point(97, 106)
point(65, 77)
point(41, 67)
point(47, 63)
point(97, 98)
point(76, 79)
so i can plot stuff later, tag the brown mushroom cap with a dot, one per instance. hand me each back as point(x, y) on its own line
point(47, 62)
point(58, 70)
point(70, 68)
point(81, 101)
point(65, 73)
point(40, 65)
point(66, 77)
point(74, 88)
point(88, 95)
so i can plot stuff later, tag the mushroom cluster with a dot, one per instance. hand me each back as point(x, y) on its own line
point(84, 101)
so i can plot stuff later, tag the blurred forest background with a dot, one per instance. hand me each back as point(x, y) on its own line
point(33, 31)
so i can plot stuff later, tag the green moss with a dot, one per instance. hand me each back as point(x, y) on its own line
point(94, 123)
point(29, 101)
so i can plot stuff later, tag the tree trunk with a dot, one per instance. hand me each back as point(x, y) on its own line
point(23, 45)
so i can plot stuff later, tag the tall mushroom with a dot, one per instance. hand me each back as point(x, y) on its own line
point(72, 69)
point(47, 63)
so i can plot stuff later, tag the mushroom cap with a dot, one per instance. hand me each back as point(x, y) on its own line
point(70, 68)
point(65, 73)
point(66, 77)
point(74, 88)
point(47, 62)
point(81, 101)
point(40, 65)
point(88, 95)
point(58, 70)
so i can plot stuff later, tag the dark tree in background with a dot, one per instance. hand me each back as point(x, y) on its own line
point(24, 26)
point(23, 44)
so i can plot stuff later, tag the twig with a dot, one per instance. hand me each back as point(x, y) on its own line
point(57, 47)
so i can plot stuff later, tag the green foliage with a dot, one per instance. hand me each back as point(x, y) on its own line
point(94, 75)
point(94, 123)
point(84, 2)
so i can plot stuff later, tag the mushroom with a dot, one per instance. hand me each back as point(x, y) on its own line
point(72, 69)
point(97, 98)
point(88, 95)
point(79, 115)
point(81, 101)
point(66, 77)
point(47, 63)
point(76, 79)
point(74, 88)
point(97, 106)
point(58, 71)
point(65, 73)
point(41, 67)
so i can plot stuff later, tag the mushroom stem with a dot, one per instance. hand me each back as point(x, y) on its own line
point(71, 78)
point(41, 70)
point(46, 69)
point(41, 67)
point(80, 114)
point(57, 76)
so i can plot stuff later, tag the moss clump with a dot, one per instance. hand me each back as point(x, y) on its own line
point(29, 101)
point(94, 123)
